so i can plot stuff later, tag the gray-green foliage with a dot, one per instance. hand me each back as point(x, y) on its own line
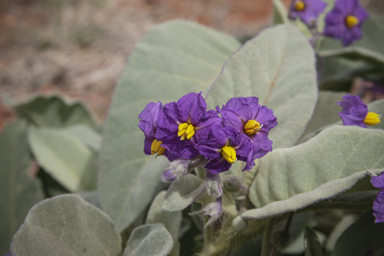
point(18, 191)
point(312, 243)
point(87, 135)
point(149, 240)
point(65, 157)
point(327, 165)
point(280, 14)
point(369, 48)
point(278, 67)
point(54, 111)
point(185, 191)
point(66, 225)
point(173, 59)
point(361, 238)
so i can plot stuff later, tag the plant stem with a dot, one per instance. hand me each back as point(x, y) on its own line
point(288, 224)
point(266, 245)
point(208, 234)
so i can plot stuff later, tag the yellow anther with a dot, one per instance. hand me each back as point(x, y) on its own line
point(372, 119)
point(186, 131)
point(156, 148)
point(299, 6)
point(351, 21)
point(252, 127)
point(229, 154)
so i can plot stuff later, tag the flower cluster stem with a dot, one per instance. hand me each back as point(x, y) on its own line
point(208, 233)
point(266, 245)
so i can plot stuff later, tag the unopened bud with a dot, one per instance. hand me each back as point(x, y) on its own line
point(213, 184)
point(180, 167)
point(281, 239)
point(213, 210)
point(232, 184)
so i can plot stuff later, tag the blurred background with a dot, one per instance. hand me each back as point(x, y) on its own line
point(78, 48)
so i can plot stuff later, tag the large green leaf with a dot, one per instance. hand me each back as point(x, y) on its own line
point(364, 237)
point(278, 67)
point(18, 191)
point(67, 159)
point(66, 225)
point(280, 13)
point(171, 220)
point(326, 111)
point(173, 59)
point(54, 111)
point(149, 240)
point(325, 166)
point(87, 135)
point(369, 48)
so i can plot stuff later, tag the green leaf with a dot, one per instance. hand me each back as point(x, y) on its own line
point(173, 59)
point(346, 221)
point(323, 167)
point(54, 111)
point(280, 13)
point(312, 243)
point(278, 67)
point(377, 107)
point(149, 240)
point(369, 48)
point(64, 157)
point(171, 220)
point(87, 135)
point(66, 225)
point(361, 238)
point(18, 191)
point(326, 111)
point(185, 191)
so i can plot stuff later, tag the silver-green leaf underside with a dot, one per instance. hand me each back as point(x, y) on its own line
point(173, 59)
point(66, 225)
point(54, 111)
point(323, 167)
point(278, 67)
point(364, 237)
point(369, 48)
point(18, 191)
point(67, 159)
point(149, 240)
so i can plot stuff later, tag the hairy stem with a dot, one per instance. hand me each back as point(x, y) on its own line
point(208, 233)
point(266, 245)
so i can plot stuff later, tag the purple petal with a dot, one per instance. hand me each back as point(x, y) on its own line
point(378, 181)
point(147, 146)
point(378, 207)
point(354, 110)
point(218, 166)
point(149, 119)
point(192, 106)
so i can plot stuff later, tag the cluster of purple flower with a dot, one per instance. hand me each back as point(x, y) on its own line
point(186, 130)
point(343, 22)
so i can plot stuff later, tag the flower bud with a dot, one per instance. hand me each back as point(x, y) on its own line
point(175, 170)
point(213, 184)
point(232, 184)
point(213, 210)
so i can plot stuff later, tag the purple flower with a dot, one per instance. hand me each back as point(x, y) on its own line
point(355, 112)
point(183, 124)
point(213, 210)
point(307, 10)
point(149, 124)
point(223, 147)
point(378, 204)
point(253, 122)
point(345, 21)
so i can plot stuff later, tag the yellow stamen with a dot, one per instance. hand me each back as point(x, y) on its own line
point(299, 6)
point(229, 154)
point(186, 131)
point(351, 21)
point(252, 127)
point(372, 119)
point(156, 148)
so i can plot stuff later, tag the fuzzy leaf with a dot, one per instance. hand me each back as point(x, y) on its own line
point(18, 191)
point(185, 191)
point(54, 111)
point(149, 240)
point(280, 13)
point(278, 67)
point(369, 48)
point(87, 135)
point(173, 59)
point(67, 159)
point(361, 238)
point(66, 225)
point(323, 167)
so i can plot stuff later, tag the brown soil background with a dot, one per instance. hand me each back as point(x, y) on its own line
point(78, 48)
